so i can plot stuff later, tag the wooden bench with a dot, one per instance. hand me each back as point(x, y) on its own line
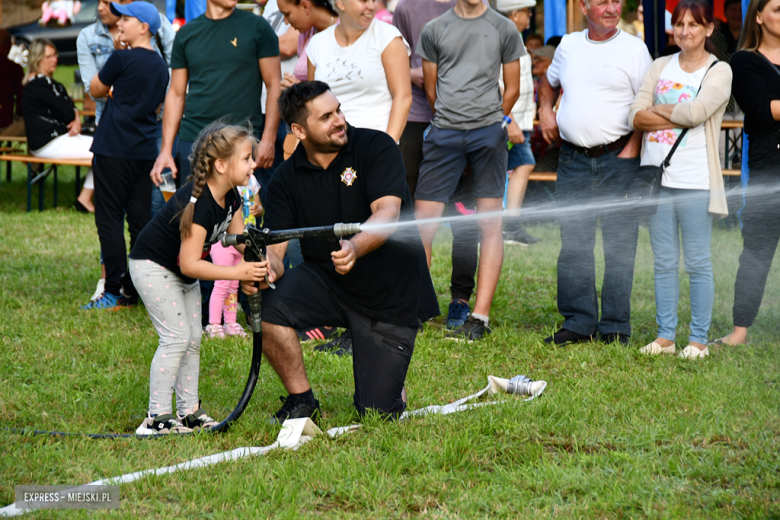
point(40, 178)
point(12, 144)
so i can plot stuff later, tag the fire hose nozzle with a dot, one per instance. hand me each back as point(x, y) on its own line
point(232, 240)
point(523, 385)
point(341, 229)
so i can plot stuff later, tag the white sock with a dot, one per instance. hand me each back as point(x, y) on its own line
point(485, 319)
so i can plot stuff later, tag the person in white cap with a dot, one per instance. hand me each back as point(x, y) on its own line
point(521, 160)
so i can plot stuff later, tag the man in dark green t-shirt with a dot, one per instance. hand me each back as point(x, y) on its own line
point(225, 55)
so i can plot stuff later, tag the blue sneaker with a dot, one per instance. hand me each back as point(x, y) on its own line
point(107, 301)
point(458, 313)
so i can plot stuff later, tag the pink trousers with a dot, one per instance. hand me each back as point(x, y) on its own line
point(225, 293)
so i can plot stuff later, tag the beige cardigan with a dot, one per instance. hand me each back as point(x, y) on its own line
point(707, 108)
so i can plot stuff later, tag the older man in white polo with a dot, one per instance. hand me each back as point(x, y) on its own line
point(600, 71)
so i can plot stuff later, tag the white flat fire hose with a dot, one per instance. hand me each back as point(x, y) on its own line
point(297, 432)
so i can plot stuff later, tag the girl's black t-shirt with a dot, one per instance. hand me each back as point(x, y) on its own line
point(160, 240)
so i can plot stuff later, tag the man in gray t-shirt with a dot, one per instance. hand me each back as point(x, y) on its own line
point(463, 52)
point(468, 53)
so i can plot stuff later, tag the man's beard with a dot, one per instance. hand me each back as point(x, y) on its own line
point(325, 143)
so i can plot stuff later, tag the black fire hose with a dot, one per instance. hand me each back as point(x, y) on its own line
point(256, 241)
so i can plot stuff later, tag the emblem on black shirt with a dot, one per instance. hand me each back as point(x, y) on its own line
point(349, 176)
point(234, 41)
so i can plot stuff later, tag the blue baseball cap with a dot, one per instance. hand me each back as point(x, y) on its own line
point(144, 11)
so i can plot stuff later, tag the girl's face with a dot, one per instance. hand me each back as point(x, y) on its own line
point(296, 15)
point(243, 164)
point(769, 18)
point(48, 63)
point(130, 29)
point(690, 35)
point(359, 12)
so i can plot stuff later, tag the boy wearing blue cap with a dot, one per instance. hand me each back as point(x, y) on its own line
point(125, 145)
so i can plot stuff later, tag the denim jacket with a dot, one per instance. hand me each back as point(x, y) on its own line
point(95, 44)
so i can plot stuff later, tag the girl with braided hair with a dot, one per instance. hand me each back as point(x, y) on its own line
point(168, 260)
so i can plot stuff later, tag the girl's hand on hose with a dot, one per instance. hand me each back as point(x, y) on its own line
point(249, 287)
point(251, 271)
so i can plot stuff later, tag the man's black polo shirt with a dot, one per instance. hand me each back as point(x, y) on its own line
point(390, 284)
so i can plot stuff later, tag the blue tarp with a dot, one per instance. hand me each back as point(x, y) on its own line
point(194, 8)
point(170, 10)
point(554, 18)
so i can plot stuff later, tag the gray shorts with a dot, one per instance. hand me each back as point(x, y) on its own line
point(446, 153)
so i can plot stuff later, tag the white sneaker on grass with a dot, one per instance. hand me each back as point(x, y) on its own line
point(197, 420)
point(99, 290)
point(691, 352)
point(653, 349)
point(161, 424)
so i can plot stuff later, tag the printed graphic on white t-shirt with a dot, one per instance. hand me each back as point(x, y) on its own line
point(688, 168)
point(355, 73)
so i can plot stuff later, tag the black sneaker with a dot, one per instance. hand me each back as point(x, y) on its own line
point(197, 420)
point(566, 337)
point(296, 408)
point(519, 236)
point(472, 330)
point(340, 346)
point(161, 425)
point(315, 333)
point(623, 339)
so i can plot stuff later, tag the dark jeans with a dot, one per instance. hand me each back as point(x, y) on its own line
point(381, 351)
point(183, 149)
point(122, 186)
point(760, 235)
point(412, 152)
point(585, 189)
point(465, 241)
point(263, 175)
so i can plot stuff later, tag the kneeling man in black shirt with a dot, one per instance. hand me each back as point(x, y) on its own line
point(376, 285)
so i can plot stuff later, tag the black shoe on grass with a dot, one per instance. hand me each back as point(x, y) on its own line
point(473, 329)
point(519, 236)
point(566, 337)
point(340, 346)
point(296, 408)
point(623, 339)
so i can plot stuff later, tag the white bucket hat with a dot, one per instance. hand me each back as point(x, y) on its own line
point(507, 6)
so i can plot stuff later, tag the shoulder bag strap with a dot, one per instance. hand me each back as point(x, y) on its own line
point(668, 159)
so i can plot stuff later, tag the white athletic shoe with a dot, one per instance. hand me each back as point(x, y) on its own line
point(691, 352)
point(653, 349)
point(99, 290)
point(161, 425)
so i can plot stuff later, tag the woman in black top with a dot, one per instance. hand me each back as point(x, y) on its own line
point(756, 87)
point(51, 120)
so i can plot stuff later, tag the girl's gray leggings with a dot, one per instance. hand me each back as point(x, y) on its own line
point(174, 307)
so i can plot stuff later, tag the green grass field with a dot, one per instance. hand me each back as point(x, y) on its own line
point(616, 434)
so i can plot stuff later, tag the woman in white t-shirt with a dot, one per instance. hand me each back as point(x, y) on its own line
point(684, 90)
point(366, 64)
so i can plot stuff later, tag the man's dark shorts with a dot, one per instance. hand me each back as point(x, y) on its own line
point(446, 153)
point(381, 351)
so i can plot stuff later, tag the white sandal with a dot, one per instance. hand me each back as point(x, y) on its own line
point(691, 352)
point(654, 349)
